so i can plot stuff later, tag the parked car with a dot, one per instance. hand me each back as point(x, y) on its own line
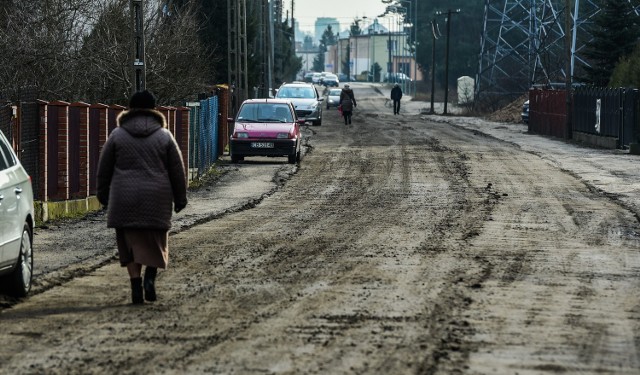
point(397, 77)
point(306, 100)
point(316, 78)
point(266, 127)
point(333, 98)
point(331, 80)
point(308, 77)
point(16, 223)
point(525, 112)
point(344, 78)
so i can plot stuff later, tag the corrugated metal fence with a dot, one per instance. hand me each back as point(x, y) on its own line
point(548, 112)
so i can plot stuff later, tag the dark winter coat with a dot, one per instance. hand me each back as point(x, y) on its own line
point(141, 173)
point(396, 93)
point(347, 100)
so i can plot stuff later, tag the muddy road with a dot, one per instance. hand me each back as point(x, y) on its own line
point(398, 246)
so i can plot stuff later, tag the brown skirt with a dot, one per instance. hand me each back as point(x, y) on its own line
point(148, 247)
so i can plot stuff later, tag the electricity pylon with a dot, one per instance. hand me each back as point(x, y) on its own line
point(523, 44)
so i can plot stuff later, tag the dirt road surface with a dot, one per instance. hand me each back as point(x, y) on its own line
point(400, 245)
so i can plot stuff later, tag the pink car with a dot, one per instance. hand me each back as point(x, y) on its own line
point(266, 127)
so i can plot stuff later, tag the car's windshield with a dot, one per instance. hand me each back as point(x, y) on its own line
point(335, 92)
point(296, 93)
point(265, 112)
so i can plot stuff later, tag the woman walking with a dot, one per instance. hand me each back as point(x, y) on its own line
point(347, 102)
point(141, 178)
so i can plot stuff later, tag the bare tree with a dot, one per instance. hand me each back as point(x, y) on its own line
point(176, 59)
point(80, 50)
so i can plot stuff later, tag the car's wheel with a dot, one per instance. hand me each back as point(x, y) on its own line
point(236, 158)
point(291, 158)
point(18, 283)
point(317, 122)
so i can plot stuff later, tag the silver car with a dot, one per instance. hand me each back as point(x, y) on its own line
point(333, 98)
point(306, 100)
point(16, 224)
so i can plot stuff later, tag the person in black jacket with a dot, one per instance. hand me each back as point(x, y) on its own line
point(347, 102)
point(141, 179)
point(396, 95)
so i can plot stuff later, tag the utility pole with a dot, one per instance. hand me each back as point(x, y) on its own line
point(390, 63)
point(446, 59)
point(568, 40)
point(237, 52)
point(265, 48)
point(136, 8)
point(435, 31)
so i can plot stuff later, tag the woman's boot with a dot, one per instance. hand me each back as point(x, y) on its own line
point(150, 283)
point(136, 291)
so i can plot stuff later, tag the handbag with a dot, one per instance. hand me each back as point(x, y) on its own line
point(340, 109)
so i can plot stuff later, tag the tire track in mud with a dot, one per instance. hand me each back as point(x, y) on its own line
point(546, 289)
point(386, 200)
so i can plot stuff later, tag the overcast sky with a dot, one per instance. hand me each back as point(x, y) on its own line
point(306, 11)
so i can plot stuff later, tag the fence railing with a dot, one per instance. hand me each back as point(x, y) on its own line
point(601, 113)
point(548, 112)
point(607, 112)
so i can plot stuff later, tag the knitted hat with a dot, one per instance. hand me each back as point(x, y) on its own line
point(142, 99)
point(346, 86)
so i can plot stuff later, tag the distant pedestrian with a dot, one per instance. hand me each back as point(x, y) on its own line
point(141, 178)
point(396, 95)
point(348, 103)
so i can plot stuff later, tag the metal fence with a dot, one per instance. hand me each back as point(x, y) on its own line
point(607, 115)
point(607, 112)
point(204, 133)
point(548, 113)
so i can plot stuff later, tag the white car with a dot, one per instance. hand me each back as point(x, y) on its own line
point(525, 112)
point(16, 224)
point(306, 100)
point(315, 78)
point(333, 98)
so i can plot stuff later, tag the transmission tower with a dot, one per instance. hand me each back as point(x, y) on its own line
point(523, 44)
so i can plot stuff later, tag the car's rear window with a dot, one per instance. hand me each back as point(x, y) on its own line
point(265, 112)
point(335, 92)
point(296, 92)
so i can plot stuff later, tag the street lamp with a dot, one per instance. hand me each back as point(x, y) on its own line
point(413, 10)
point(395, 7)
point(357, 23)
point(385, 14)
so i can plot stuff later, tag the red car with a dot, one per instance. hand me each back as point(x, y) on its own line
point(266, 127)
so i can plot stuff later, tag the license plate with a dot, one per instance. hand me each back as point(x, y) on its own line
point(262, 144)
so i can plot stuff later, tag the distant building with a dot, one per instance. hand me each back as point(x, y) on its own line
point(362, 52)
point(375, 28)
point(321, 26)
